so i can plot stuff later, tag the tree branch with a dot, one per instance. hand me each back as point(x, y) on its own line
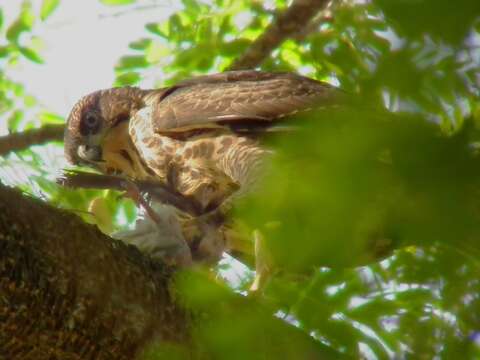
point(22, 140)
point(157, 191)
point(285, 25)
point(68, 291)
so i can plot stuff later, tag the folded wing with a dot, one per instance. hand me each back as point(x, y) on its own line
point(238, 99)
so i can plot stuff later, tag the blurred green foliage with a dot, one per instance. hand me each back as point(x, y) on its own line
point(48, 7)
point(370, 211)
point(355, 183)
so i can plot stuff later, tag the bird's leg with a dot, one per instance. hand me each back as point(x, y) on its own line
point(133, 192)
point(263, 262)
point(206, 240)
point(208, 188)
point(157, 232)
point(238, 244)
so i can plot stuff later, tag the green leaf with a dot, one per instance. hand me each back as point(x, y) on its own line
point(188, 57)
point(175, 24)
point(225, 26)
point(27, 17)
point(48, 7)
point(234, 47)
point(31, 55)
point(204, 30)
point(129, 78)
point(132, 62)
point(29, 101)
point(17, 89)
point(191, 6)
point(141, 44)
point(23, 23)
point(14, 120)
point(205, 63)
point(4, 51)
point(155, 28)
point(117, 2)
point(1, 18)
point(155, 52)
point(47, 117)
point(14, 30)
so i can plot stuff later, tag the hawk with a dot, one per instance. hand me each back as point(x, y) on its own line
point(201, 137)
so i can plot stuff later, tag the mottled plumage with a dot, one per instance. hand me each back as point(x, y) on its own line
point(199, 136)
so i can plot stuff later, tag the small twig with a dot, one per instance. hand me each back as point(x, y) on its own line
point(131, 10)
point(22, 140)
point(157, 191)
point(286, 25)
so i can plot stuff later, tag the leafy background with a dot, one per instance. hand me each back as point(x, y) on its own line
point(371, 216)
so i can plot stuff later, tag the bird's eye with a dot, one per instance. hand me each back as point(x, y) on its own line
point(91, 124)
point(91, 121)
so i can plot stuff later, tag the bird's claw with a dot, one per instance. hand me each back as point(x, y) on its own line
point(133, 192)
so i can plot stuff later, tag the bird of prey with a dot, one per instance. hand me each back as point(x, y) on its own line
point(200, 137)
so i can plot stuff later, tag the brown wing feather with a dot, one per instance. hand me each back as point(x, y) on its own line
point(214, 100)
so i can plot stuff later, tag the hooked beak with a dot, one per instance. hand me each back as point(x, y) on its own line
point(90, 153)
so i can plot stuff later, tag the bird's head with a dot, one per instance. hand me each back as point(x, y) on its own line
point(95, 116)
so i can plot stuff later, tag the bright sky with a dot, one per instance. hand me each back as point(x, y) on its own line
point(84, 39)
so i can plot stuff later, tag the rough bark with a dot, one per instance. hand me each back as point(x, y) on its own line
point(287, 24)
point(67, 291)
